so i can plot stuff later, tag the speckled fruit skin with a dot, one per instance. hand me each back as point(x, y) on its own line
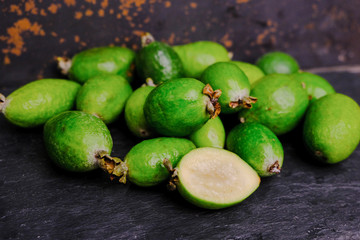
point(282, 101)
point(36, 102)
point(102, 60)
point(177, 107)
point(134, 112)
point(257, 145)
point(197, 56)
point(159, 62)
point(211, 134)
point(145, 160)
point(277, 62)
point(253, 72)
point(73, 139)
point(104, 96)
point(332, 128)
point(315, 85)
point(231, 80)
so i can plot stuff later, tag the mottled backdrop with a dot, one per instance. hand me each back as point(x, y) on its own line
point(316, 32)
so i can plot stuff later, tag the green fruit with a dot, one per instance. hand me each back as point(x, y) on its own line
point(134, 112)
point(315, 85)
point(104, 96)
point(36, 102)
point(211, 134)
point(145, 160)
point(282, 101)
point(232, 82)
point(157, 60)
point(332, 128)
point(214, 178)
point(258, 146)
point(197, 56)
point(178, 107)
point(96, 61)
point(253, 72)
point(75, 140)
point(277, 62)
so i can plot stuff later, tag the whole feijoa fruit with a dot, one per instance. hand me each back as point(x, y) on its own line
point(253, 72)
point(277, 62)
point(211, 134)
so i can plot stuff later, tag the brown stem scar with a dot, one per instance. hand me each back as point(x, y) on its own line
point(115, 167)
point(2, 101)
point(64, 64)
point(213, 106)
point(275, 168)
point(146, 39)
point(150, 82)
point(245, 102)
point(242, 120)
point(174, 179)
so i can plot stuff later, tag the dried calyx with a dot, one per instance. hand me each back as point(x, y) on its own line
point(2, 101)
point(174, 179)
point(245, 102)
point(64, 64)
point(275, 167)
point(115, 167)
point(146, 39)
point(213, 106)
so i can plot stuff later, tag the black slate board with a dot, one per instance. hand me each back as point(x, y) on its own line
point(40, 201)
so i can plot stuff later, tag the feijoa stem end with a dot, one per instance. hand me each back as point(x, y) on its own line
point(213, 106)
point(115, 167)
point(64, 64)
point(174, 175)
point(275, 168)
point(146, 39)
point(2, 102)
point(245, 102)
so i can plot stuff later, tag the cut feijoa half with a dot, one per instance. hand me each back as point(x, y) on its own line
point(214, 178)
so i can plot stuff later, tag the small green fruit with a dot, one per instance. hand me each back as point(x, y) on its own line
point(234, 85)
point(214, 178)
point(36, 102)
point(211, 134)
point(157, 60)
point(258, 146)
point(277, 62)
point(197, 56)
point(97, 61)
point(104, 96)
point(178, 107)
point(315, 85)
point(332, 128)
point(253, 72)
point(282, 101)
point(134, 112)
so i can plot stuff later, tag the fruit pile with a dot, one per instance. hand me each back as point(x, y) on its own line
point(176, 109)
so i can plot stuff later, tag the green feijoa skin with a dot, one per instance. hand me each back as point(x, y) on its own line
point(315, 85)
point(197, 56)
point(332, 128)
point(211, 134)
point(104, 96)
point(234, 85)
point(282, 102)
point(213, 178)
point(253, 72)
point(157, 61)
point(36, 102)
point(178, 107)
point(258, 146)
point(134, 113)
point(97, 61)
point(144, 161)
point(277, 62)
point(77, 141)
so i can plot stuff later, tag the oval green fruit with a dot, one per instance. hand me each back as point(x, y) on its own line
point(253, 72)
point(211, 134)
point(232, 82)
point(277, 62)
point(76, 140)
point(36, 102)
point(134, 113)
point(258, 146)
point(197, 56)
point(282, 102)
point(104, 96)
point(178, 107)
point(97, 61)
point(157, 60)
point(214, 178)
point(145, 160)
point(315, 85)
point(332, 128)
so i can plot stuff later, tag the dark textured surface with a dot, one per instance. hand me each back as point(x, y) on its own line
point(306, 201)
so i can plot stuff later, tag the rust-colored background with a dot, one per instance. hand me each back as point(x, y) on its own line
point(316, 32)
